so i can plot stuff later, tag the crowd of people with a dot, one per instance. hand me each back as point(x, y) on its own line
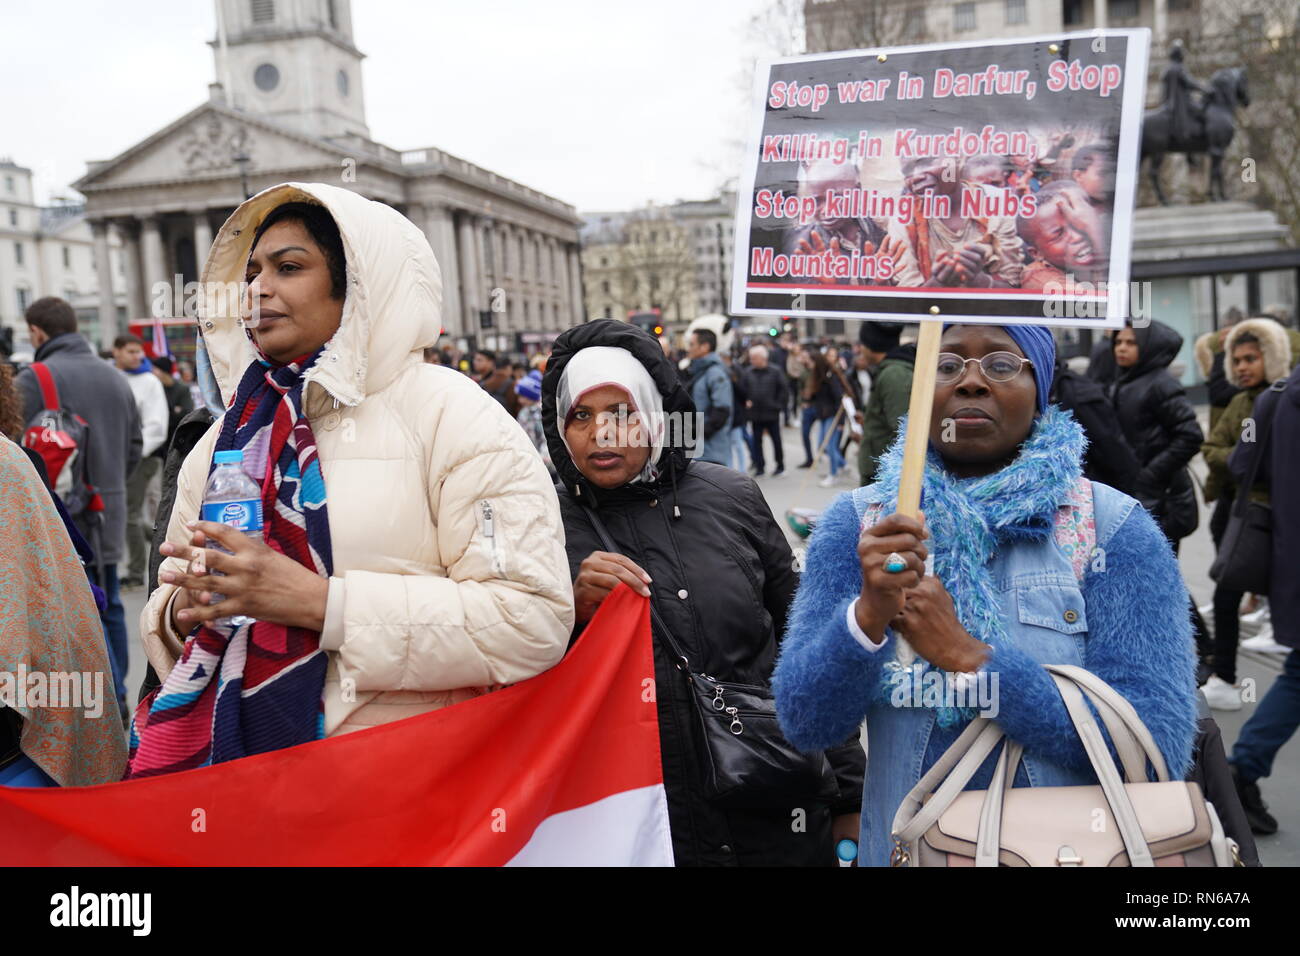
point(438, 525)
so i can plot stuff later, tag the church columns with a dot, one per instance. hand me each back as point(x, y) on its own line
point(202, 240)
point(137, 303)
point(576, 309)
point(469, 274)
point(151, 247)
point(104, 276)
point(441, 232)
point(1160, 24)
point(1099, 14)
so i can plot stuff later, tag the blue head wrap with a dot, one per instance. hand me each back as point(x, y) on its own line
point(1040, 348)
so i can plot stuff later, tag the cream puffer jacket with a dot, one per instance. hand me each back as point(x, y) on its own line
point(450, 575)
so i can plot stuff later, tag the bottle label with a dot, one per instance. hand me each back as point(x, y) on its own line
point(245, 515)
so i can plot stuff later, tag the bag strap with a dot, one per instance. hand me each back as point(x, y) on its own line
point(1242, 501)
point(608, 544)
point(958, 764)
point(988, 838)
point(49, 391)
point(1106, 699)
point(1121, 807)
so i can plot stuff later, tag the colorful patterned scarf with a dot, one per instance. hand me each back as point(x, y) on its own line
point(249, 688)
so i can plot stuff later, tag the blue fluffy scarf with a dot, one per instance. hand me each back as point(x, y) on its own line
point(969, 518)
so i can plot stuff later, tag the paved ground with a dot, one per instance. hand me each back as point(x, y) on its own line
point(800, 489)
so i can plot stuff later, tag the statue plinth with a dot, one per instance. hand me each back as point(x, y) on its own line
point(1186, 231)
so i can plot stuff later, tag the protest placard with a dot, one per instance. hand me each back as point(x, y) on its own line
point(992, 181)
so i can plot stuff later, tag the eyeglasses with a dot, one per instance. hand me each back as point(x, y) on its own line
point(998, 367)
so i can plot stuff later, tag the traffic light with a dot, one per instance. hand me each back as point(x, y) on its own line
point(659, 330)
point(772, 332)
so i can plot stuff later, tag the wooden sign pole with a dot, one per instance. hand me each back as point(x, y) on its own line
point(917, 440)
point(918, 418)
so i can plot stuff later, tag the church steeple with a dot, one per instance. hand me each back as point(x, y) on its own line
point(293, 61)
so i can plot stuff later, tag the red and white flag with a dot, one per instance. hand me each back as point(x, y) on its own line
point(160, 338)
point(562, 769)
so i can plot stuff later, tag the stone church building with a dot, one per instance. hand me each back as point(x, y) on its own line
point(288, 106)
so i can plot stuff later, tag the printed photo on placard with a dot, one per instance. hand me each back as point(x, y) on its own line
point(994, 180)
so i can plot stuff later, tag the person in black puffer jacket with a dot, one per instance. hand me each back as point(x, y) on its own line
point(1108, 458)
point(1159, 423)
point(701, 540)
point(1161, 427)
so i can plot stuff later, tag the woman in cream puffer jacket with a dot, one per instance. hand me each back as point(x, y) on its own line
point(450, 575)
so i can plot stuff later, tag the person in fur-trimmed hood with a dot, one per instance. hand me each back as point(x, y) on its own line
point(1015, 530)
point(1209, 353)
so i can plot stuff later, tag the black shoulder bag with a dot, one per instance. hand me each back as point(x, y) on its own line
point(747, 762)
point(1245, 558)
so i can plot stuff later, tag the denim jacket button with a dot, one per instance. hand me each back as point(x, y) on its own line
point(1070, 616)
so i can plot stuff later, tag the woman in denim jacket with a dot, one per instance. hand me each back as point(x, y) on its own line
point(1032, 565)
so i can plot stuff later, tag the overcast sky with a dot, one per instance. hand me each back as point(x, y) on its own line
point(605, 104)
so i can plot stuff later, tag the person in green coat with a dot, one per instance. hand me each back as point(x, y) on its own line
point(1256, 352)
point(891, 391)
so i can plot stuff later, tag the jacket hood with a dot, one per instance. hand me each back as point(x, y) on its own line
point(646, 350)
point(1204, 351)
point(391, 311)
point(1274, 343)
point(1158, 345)
point(901, 353)
point(67, 342)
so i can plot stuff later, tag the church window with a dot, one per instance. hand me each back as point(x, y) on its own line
point(18, 253)
point(333, 14)
point(67, 258)
point(342, 79)
point(263, 11)
point(1124, 9)
point(266, 77)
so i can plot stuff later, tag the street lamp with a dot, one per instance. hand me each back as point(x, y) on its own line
point(243, 160)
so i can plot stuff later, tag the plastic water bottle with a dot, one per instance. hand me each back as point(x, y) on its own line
point(231, 498)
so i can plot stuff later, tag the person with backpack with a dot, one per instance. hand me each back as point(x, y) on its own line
point(102, 419)
point(155, 413)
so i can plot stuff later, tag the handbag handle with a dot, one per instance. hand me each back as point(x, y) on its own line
point(1111, 704)
point(988, 838)
point(1133, 742)
point(957, 764)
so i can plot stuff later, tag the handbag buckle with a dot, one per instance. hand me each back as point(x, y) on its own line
point(718, 702)
point(900, 856)
point(1066, 856)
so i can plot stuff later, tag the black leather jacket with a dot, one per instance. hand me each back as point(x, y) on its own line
point(723, 582)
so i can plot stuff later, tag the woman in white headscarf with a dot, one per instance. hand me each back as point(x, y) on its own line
point(699, 540)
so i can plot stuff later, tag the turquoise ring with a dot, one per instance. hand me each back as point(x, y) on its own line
point(895, 563)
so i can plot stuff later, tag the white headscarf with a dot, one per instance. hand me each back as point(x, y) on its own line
point(602, 365)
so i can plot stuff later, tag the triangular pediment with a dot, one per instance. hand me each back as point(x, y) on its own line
point(202, 144)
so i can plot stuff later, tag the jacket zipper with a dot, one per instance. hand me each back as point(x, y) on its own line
point(489, 535)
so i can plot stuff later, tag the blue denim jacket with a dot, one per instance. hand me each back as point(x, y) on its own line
point(1128, 622)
